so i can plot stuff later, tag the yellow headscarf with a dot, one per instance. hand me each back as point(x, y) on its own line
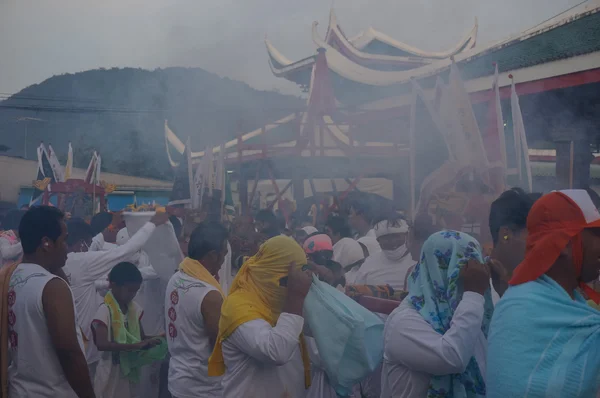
point(256, 294)
point(195, 269)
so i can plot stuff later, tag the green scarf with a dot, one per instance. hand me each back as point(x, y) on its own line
point(130, 333)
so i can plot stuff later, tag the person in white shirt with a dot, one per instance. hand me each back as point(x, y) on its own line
point(435, 341)
point(151, 297)
point(46, 351)
point(10, 246)
point(125, 346)
point(192, 309)
point(260, 348)
point(105, 233)
point(84, 268)
point(389, 266)
point(360, 220)
point(350, 254)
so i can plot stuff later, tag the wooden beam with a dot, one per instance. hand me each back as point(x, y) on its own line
point(256, 180)
point(350, 183)
point(243, 192)
point(280, 195)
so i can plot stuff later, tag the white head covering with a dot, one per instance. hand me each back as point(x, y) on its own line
point(386, 228)
point(347, 251)
point(122, 237)
point(310, 230)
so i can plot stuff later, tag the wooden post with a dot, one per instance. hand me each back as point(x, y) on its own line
point(298, 187)
point(243, 192)
point(573, 158)
point(571, 161)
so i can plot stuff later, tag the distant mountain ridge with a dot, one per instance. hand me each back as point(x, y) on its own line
point(121, 114)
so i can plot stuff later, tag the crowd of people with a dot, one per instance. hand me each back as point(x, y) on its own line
point(84, 313)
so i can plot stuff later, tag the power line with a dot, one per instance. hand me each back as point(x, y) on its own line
point(42, 108)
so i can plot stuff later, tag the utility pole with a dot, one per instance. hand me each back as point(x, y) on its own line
point(27, 120)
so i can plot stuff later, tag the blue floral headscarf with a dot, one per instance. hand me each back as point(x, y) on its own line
point(433, 291)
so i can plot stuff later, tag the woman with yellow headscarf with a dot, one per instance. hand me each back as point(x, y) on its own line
point(260, 348)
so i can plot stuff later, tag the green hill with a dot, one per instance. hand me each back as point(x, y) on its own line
point(121, 114)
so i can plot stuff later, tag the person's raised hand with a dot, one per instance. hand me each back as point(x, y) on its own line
point(324, 273)
point(160, 218)
point(299, 281)
point(475, 277)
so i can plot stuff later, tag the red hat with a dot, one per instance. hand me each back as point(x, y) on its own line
point(317, 243)
point(555, 220)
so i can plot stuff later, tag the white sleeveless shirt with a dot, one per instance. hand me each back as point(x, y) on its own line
point(34, 369)
point(188, 342)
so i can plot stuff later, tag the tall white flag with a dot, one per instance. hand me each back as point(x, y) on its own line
point(210, 164)
point(463, 125)
point(200, 180)
point(220, 173)
point(55, 164)
point(97, 174)
point(69, 166)
point(521, 147)
point(499, 118)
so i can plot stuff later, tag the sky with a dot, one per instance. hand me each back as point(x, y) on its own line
point(41, 38)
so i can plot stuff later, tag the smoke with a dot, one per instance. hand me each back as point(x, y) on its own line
point(40, 39)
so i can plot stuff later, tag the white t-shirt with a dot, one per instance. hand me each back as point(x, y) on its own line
point(110, 381)
point(370, 241)
point(379, 270)
point(34, 369)
point(188, 342)
point(413, 350)
point(264, 361)
point(84, 269)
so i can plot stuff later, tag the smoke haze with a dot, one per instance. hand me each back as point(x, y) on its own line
point(39, 39)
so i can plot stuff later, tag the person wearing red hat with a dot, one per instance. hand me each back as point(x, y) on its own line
point(543, 335)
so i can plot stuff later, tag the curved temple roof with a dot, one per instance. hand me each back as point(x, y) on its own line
point(372, 50)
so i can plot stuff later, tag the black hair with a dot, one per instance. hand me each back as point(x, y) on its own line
point(125, 273)
point(510, 210)
point(207, 236)
point(339, 225)
point(78, 230)
point(176, 225)
point(100, 222)
point(12, 219)
point(321, 257)
point(37, 223)
point(267, 216)
point(362, 205)
point(422, 227)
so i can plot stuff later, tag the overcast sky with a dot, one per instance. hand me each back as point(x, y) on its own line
point(41, 38)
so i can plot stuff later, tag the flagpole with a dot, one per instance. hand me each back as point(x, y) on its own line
point(413, 122)
point(571, 160)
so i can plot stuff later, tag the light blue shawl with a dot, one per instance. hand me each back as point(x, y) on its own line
point(543, 343)
point(434, 292)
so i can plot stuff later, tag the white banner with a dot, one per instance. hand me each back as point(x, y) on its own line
point(521, 147)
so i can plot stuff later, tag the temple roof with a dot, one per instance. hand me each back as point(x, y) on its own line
point(567, 36)
point(371, 49)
